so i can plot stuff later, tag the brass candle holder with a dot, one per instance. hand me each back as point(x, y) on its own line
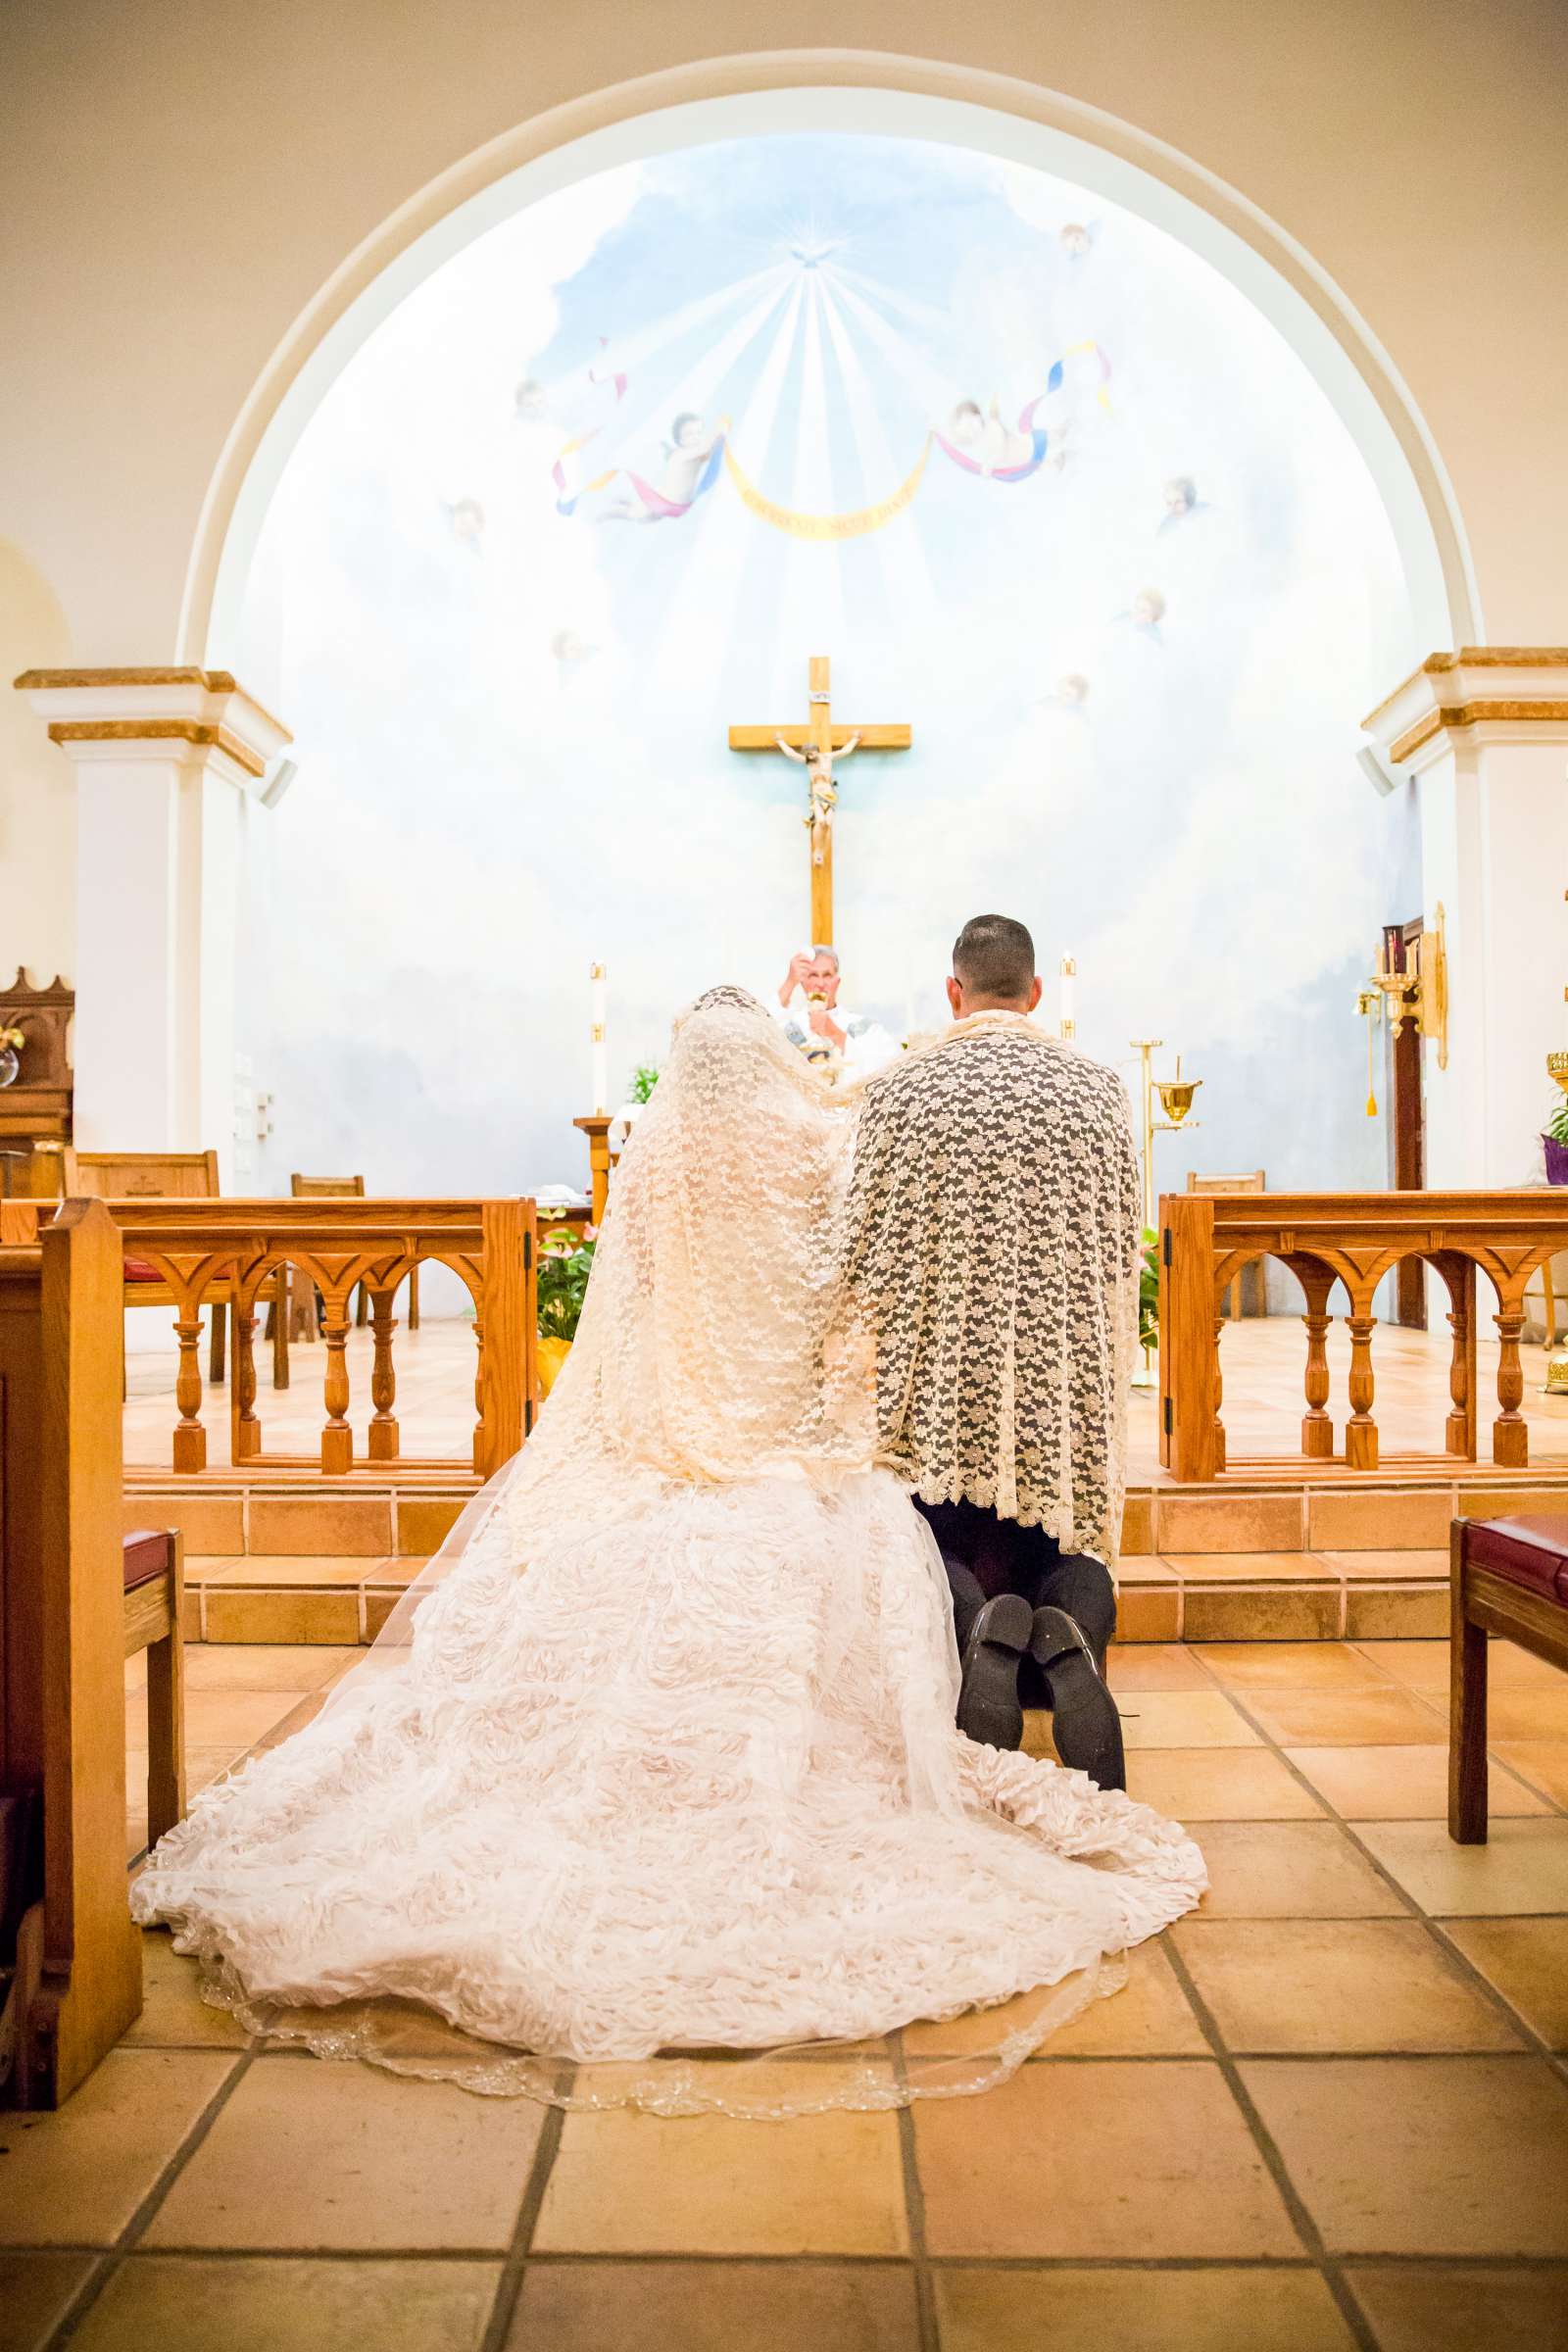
point(1418, 993)
point(1176, 1102)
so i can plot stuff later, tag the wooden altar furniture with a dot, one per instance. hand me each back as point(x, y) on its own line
point(1510, 1577)
point(1248, 1292)
point(35, 1109)
point(596, 1128)
point(155, 1591)
point(152, 1176)
point(1349, 1243)
point(77, 1982)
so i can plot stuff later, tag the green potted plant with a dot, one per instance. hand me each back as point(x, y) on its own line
point(1149, 1293)
point(566, 1261)
point(1554, 1143)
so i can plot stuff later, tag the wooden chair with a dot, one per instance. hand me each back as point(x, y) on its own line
point(1252, 1283)
point(154, 1561)
point(74, 1956)
point(152, 1176)
point(1508, 1577)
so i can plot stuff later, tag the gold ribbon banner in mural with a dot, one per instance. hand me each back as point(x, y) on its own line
point(853, 525)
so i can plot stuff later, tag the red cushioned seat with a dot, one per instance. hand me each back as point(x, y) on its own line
point(138, 1270)
point(148, 1553)
point(1527, 1552)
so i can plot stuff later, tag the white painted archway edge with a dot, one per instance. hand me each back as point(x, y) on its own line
point(843, 90)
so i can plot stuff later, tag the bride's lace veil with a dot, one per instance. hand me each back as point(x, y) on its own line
point(715, 1344)
point(714, 1348)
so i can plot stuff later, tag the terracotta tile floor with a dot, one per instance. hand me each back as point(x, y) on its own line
point(1328, 2110)
point(1262, 1359)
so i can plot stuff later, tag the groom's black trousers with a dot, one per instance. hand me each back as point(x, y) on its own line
point(984, 1555)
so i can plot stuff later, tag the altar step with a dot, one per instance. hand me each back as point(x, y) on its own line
point(288, 1559)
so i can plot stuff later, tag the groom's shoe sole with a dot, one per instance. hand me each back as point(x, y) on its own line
point(988, 1699)
point(1084, 1723)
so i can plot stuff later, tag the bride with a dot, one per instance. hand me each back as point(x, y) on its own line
point(654, 1770)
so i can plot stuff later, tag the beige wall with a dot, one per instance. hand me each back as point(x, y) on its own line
point(178, 180)
point(37, 792)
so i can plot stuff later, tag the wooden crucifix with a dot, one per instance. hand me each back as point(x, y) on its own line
point(817, 744)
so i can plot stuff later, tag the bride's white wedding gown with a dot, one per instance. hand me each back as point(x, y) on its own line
point(659, 1756)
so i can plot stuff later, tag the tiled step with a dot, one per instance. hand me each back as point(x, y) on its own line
point(353, 1518)
point(323, 1561)
point(1193, 1596)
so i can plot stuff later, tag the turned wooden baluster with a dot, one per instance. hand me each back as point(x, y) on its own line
point(383, 1430)
point(1317, 1425)
point(1362, 1431)
point(1219, 1394)
point(247, 1428)
point(337, 1438)
point(1459, 1432)
point(1510, 1436)
point(190, 1437)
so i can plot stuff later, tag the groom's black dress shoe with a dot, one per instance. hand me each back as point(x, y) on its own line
point(988, 1699)
point(1084, 1722)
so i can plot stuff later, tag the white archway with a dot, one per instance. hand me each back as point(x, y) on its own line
point(844, 91)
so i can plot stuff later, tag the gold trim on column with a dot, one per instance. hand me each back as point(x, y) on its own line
point(158, 730)
point(1449, 715)
point(215, 681)
point(206, 681)
point(1478, 656)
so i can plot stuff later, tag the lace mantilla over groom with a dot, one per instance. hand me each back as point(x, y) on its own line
point(1007, 1396)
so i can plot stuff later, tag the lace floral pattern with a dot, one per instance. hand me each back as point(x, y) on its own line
point(993, 1239)
point(660, 1759)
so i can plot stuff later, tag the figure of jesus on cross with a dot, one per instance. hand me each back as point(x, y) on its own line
point(817, 744)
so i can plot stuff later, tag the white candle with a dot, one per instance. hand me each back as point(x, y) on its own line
point(1068, 982)
point(596, 974)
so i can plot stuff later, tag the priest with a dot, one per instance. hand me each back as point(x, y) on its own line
point(994, 1221)
point(848, 1045)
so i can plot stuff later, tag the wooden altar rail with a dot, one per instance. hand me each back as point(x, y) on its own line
point(1349, 1240)
point(335, 1244)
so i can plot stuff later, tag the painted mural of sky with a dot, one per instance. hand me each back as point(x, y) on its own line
point(1038, 478)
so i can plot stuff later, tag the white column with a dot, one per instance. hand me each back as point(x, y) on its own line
point(1486, 733)
point(161, 758)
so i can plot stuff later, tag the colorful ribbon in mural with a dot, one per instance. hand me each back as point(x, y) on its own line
point(1004, 461)
point(565, 505)
point(851, 526)
point(1012, 456)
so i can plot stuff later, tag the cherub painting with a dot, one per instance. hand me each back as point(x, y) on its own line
point(1146, 612)
point(465, 520)
point(692, 457)
point(978, 440)
point(1181, 500)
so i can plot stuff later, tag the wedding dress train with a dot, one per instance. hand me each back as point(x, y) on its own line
point(658, 1758)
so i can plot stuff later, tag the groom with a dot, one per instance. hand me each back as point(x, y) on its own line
point(994, 1226)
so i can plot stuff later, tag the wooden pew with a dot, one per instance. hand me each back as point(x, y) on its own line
point(78, 1983)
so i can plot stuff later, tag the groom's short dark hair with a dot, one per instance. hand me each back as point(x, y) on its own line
point(994, 957)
